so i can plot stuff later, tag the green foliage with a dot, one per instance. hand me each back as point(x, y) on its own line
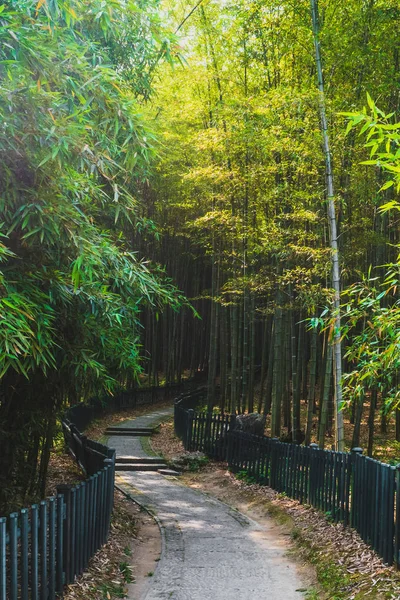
point(373, 318)
point(126, 571)
point(383, 141)
point(372, 310)
point(244, 476)
point(73, 148)
point(74, 153)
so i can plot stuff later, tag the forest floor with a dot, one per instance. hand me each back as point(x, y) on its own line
point(347, 569)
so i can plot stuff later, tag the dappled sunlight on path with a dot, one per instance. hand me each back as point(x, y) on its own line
point(209, 550)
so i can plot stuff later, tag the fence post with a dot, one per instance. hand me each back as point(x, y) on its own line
point(354, 487)
point(274, 461)
point(397, 530)
point(60, 544)
point(65, 490)
point(313, 475)
point(189, 429)
point(84, 452)
point(109, 462)
point(229, 447)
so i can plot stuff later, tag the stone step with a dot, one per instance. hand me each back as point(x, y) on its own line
point(139, 459)
point(116, 428)
point(129, 432)
point(170, 472)
point(140, 466)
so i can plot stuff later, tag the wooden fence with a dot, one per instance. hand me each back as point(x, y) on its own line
point(348, 487)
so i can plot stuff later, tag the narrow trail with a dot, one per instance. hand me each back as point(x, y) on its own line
point(210, 551)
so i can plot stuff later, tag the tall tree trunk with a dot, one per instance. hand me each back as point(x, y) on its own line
point(333, 234)
point(223, 354)
point(240, 361)
point(287, 374)
point(264, 362)
point(252, 355)
point(212, 360)
point(277, 376)
point(371, 420)
point(270, 371)
point(311, 389)
point(355, 442)
point(234, 356)
point(295, 382)
point(301, 350)
point(323, 425)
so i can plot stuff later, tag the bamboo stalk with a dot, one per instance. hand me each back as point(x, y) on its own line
point(339, 437)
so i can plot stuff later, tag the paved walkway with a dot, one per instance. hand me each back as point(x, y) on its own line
point(132, 446)
point(209, 550)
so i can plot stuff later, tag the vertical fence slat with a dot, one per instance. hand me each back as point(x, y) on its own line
point(35, 552)
point(397, 532)
point(13, 524)
point(95, 512)
point(43, 550)
point(52, 548)
point(86, 521)
point(3, 542)
point(24, 553)
point(72, 543)
point(60, 543)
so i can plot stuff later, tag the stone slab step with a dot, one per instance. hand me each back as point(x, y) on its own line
point(140, 467)
point(129, 433)
point(168, 472)
point(115, 428)
point(139, 459)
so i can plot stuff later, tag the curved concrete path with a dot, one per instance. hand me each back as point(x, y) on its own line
point(209, 550)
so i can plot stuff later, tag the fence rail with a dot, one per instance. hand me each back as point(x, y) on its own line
point(349, 487)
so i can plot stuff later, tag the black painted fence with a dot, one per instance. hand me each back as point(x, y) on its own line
point(349, 487)
point(44, 547)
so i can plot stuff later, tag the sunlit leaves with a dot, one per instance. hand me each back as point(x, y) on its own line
point(382, 140)
point(372, 325)
point(73, 148)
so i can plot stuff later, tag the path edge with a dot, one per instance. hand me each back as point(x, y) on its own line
point(135, 499)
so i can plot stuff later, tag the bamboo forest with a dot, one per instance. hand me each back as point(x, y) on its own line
point(201, 192)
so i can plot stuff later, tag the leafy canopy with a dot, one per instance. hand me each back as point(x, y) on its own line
point(74, 149)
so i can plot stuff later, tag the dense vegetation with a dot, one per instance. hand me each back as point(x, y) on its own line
point(74, 152)
point(119, 172)
point(241, 193)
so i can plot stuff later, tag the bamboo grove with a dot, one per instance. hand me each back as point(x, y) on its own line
point(169, 176)
point(73, 149)
point(240, 194)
